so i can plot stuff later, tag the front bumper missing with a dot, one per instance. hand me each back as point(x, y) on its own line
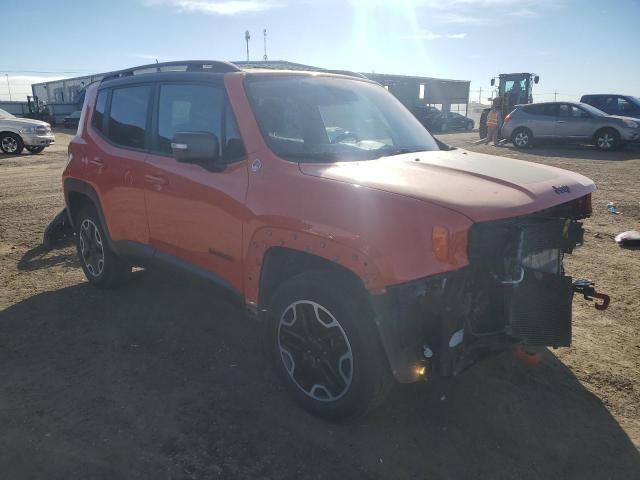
point(513, 292)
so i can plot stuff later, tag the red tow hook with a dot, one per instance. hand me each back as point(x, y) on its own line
point(588, 290)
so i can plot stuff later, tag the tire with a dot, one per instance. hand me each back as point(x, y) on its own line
point(35, 150)
point(102, 267)
point(607, 139)
point(325, 346)
point(11, 144)
point(522, 138)
point(468, 127)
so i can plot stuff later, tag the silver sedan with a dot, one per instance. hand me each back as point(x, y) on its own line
point(567, 121)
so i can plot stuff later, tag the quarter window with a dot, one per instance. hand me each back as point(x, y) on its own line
point(98, 115)
point(128, 116)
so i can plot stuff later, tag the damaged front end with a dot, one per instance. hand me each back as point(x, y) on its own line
point(514, 291)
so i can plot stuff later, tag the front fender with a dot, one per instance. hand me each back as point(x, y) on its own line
point(316, 244)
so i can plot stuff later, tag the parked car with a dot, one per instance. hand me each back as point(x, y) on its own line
point(16, 134)
point(424, 113)
point(447, 121)
point(372, 253)
point(71, 120)
point(568, 122)
point(623, 105)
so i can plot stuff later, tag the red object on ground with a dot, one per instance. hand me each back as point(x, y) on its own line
point(527, 357)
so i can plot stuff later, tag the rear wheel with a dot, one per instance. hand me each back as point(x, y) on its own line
point(607, 139)
point(102, 267)
point(522, 138)
point(11, 143)
point(35, 149)
point(325, 346)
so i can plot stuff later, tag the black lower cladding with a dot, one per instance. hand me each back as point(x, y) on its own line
point(538, 309)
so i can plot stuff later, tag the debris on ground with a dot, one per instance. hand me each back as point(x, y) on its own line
point(629, 239)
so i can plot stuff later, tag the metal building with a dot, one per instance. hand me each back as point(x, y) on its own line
point(412, 91)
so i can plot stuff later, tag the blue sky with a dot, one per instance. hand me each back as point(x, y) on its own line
point(576, 46)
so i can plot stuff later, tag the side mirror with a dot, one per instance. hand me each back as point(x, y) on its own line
point(536, 79)
point(197, 147)
point(493, 82)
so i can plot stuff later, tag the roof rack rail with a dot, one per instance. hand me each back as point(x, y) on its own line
point(214, 66)
point(348, 73)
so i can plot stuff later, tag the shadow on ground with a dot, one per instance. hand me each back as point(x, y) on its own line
point(166, 379)
point(39, 257)
point(579, 152)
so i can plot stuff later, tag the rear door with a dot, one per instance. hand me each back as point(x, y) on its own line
point(541, 119)
point(115, 163)
point(196, 215)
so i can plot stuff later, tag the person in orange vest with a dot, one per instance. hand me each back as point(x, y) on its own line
point(494, 120)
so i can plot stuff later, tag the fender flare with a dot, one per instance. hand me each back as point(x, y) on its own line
point(352, 259)
point(73, 185)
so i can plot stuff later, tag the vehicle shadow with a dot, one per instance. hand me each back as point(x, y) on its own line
point(167, 378)
point(38, 257)
point(579, 152)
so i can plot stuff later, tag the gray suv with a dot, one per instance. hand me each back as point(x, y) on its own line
point(567, 121)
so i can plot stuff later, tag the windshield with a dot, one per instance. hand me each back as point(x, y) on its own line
point(592, 110)
point(325, 119)
point(5, 114)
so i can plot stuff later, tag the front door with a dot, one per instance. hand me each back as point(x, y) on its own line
point(196, 215)
point(573, 122)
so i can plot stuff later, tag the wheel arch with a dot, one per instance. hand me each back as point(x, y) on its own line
point(275, 254)
point(78, 194)
point(281, 263)
point(605, 128)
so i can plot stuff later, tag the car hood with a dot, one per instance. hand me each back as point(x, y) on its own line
point(620, 117)
point(481, 187)
point(21, 122)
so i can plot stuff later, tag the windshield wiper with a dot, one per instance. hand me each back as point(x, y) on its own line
point(401, 151)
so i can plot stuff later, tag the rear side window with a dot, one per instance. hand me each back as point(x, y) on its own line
point(98, 115)
point(128, 116)
point(546, 109)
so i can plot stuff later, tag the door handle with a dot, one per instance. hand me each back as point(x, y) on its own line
point(98, 162)
point(156, 180)
point(562, 121)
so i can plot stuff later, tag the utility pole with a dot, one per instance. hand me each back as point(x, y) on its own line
point(9, 85)
point(555, 95)
point(265, 44)
point(480, 96)
point(247, 37)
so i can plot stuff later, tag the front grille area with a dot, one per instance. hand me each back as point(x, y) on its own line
point(522, 258)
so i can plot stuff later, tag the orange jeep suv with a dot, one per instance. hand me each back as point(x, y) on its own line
point(373, 253)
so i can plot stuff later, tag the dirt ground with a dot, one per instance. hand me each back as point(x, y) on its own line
point(167, 379)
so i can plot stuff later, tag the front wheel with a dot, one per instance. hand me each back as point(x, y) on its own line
point(11, 144)
point(325, 346)
point(522, 138)
point(102, 267)
point(607, 139)
point(35, 150)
